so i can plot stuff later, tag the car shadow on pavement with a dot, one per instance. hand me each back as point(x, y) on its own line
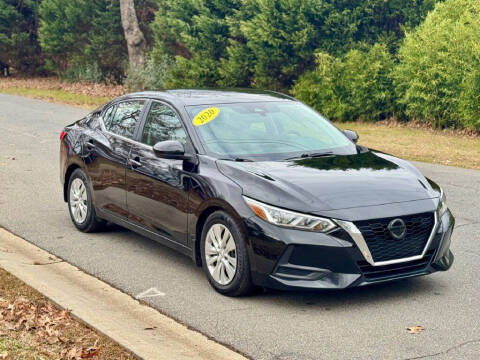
point(365, 295)
point(183, 266)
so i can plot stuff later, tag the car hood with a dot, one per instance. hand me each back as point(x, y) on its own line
point(330, 183)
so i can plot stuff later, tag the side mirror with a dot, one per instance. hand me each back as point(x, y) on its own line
point(351, 135)
point(170, 149)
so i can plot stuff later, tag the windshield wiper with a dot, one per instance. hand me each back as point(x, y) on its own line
point(311, 155)
point(237, 159)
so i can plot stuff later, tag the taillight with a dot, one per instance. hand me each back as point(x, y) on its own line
point(62, 135)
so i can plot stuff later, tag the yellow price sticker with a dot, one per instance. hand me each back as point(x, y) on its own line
point(205, 116)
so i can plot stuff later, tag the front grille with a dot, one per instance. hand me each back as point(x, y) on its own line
point(384, 247)
point(373, 273)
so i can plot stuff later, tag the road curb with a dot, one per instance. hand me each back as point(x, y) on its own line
point(140, 329)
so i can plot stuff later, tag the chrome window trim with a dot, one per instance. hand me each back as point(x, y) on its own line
point(135, 142)
point(359, 240)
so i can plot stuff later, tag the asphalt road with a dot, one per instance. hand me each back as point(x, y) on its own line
point(364, 323)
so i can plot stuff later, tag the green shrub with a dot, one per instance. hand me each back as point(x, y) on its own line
point(356, 86)
point(153, 76)
point(469, 101)
point(437, 78)
point(83, 73)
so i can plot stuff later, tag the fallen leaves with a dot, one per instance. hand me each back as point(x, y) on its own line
point(415, 329)
point(44, 318)
point(90, 353)
point(416, 124)
point(55, 84)
point(78, 353)
point(46, 324)
point(71, 354)
point(31, 327)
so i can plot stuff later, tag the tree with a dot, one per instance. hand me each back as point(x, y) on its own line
point(136, 43)
point(280, 37)
point(83, 39)
point(19, 47)
point(437, 76)
point(386, 21)
point(269, 43)
point(195, 33)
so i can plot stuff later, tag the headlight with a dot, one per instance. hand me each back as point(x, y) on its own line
point(442, 203)
point(289, 219)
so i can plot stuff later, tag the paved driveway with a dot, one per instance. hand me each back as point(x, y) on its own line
point(365, 323)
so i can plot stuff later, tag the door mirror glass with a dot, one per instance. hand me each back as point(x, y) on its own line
point(170, 149)
point(351, 135)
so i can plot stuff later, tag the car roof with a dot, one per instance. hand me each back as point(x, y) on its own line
point(188, 97)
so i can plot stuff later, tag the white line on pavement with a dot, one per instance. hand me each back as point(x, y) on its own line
point(152, 292)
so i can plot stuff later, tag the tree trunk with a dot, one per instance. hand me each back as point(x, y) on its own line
point(135, 40)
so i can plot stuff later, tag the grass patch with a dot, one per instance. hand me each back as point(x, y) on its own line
point(14, 349)
point(419, 144)
point(59, 95)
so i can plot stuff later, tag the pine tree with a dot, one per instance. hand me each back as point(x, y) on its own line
point(19, 47)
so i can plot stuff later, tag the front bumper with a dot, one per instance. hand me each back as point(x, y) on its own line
point(291, 259)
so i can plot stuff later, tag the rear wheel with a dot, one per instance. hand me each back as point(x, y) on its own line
point(224, 255)
point(80, 205)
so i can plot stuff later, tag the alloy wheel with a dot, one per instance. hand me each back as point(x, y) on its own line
point(78, 200)
point(221, 254)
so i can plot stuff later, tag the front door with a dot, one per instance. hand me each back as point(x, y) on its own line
point(157, 197)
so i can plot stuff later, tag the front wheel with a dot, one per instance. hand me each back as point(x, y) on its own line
point(80, 205)
point(224, 255)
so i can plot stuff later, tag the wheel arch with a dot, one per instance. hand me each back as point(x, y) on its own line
point(202, 215)
point(71, 168)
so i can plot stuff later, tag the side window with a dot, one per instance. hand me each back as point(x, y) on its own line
point(125, 119)
point(162, 124)
point(107, 116)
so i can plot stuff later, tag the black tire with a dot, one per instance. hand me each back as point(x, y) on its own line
point(241, 284)
point(91, 223)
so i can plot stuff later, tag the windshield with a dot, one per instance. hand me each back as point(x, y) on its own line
point(266, 130)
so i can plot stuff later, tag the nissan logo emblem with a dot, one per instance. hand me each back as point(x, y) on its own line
point(397, 228)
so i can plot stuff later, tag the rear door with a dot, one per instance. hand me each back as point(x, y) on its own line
point(109, 154)
point(157, 197)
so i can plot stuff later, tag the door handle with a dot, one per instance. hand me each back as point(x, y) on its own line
point(135, 162)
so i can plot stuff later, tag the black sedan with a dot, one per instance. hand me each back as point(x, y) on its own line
point(257, 188)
